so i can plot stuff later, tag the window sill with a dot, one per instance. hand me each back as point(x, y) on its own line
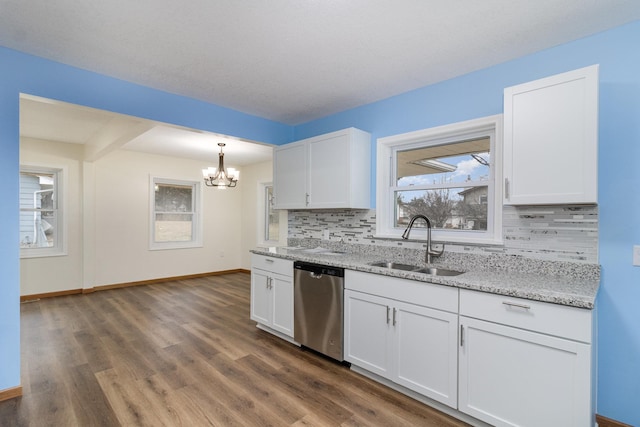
point(41, 253)
point(169, 246)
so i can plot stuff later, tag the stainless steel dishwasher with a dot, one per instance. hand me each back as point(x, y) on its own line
point(317, 308)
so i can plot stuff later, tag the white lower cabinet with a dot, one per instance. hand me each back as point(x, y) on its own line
point(501, 360)
point(272, 293)
point(367, 332)
point(410, 344)
point(510, 376)
point(424, 351)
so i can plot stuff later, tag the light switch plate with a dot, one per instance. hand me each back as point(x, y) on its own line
point(636, 255)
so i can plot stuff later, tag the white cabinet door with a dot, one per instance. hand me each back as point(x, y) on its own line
point(282, 302)
point(290, 176)
point(551, 139)
point(513, 377)
point(260, 297)
point(329, 162)
point(272, 293)
point(367, 328)
point(426, 351)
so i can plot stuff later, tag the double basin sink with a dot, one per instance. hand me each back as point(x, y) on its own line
point(434, 271)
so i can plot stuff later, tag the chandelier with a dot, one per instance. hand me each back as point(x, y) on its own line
point(220, 177)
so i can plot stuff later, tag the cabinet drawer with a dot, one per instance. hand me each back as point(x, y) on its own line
point(558, 320)
point(272, 264)
point(414, 292)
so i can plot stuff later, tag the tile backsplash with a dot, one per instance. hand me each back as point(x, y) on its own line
point(552, 233)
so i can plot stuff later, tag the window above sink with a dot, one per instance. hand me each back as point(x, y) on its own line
point(449, 173)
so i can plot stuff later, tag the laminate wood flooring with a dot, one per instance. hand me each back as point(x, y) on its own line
point(185, 353)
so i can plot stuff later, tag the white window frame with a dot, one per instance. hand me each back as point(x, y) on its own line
point(263, 218)
point(196, 241)
point(60, 185)
point(387, 147)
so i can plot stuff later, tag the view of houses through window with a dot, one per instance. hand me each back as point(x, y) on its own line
point(39, 213)
point(447, 183)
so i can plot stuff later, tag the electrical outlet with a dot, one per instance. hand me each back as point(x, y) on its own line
point(636, 255)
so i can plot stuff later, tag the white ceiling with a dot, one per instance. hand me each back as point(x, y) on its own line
point(102, 131)
point(297, 60)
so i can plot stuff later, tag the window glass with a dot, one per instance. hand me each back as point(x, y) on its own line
point(458, 162)
point(175, 213)
point(447, 183)
point(447, 208)
point(39, 216)
point(272, 217)
point(37, 206)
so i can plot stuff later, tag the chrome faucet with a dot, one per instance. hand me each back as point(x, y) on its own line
point(430, 252)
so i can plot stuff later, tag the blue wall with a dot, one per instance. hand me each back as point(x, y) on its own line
point(474, 95)
point(480, 94)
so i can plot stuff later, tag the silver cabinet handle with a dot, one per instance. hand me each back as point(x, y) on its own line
point(269, 260)
point(388, 315)
point(461, 335)
point(394, 316)
point(270, 282)
point(514, 304)
point(306, 199)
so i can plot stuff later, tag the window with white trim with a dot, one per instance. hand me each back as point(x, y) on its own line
point(41, 215)
point(449, 174)
point(271, 217)
point(175, 214)
point(271, 222)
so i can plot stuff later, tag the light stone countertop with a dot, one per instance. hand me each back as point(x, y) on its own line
point(525, 279)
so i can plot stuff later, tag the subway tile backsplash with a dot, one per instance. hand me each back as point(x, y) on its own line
point(550, 233)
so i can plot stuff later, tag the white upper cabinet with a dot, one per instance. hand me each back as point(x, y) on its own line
point(551, 139)
point(323, 172)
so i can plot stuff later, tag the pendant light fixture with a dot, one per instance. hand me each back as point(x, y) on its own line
point(220, 177)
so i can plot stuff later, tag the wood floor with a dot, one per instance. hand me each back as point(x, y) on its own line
point(185, 353)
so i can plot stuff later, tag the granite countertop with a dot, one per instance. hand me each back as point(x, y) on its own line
point(527, 280)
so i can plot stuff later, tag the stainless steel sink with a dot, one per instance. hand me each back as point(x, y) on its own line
point(394, 265)
point(433, 271)
point(438, 271)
